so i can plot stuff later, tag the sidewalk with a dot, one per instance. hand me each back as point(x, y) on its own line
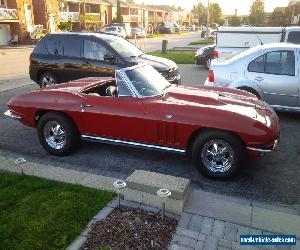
point(209, 221)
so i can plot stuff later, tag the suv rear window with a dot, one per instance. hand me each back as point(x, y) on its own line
point(54, 46)
point(72, 47)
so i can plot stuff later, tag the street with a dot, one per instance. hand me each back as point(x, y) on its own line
point(274, 178)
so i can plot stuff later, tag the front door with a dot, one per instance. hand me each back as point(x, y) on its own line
point(276, 74)
point(94, 63)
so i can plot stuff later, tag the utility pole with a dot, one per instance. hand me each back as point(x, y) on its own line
point(207, 21)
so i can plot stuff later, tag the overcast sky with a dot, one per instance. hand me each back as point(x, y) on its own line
point(227, 6)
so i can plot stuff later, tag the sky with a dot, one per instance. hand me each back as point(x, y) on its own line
point(228, 6)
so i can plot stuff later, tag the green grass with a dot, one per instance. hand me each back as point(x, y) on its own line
point(180, 57)
point(202, 42)
point(42, 214)
point(155, 35)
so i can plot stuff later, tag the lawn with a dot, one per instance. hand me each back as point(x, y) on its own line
point(180, 57)
point(202, 42)
point(43, 214)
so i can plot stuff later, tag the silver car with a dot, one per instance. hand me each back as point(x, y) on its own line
point(271, 72)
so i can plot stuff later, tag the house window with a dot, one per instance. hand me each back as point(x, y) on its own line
point(3, 3)
point(88, 8)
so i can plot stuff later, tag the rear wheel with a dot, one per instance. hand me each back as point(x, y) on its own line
point(250, 90)
point(47, 79)
point(57, 134)
point(217, 154)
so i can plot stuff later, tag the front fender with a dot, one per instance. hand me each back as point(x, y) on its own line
point(247, 84)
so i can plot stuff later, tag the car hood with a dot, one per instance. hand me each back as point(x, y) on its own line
point(159, 63)
point(218, 98)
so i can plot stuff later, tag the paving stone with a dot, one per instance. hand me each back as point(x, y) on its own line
point(179, 247)
point(184, 241)
point(225, 243)
point(223, 248)
point(211, 243)
point(200, 245)
point(255, 231)
point(196, 222)
point(185, 220)
point(231, 231)
point(207, 225)
point(86, 231)
point(218, 229)
point(187, 233)
point(202, 237)
point(242, 230)
point(77, 243)
point(103, 213)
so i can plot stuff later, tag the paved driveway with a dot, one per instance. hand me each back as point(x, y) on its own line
point(274, 178)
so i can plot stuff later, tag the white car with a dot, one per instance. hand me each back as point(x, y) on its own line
point(116, 30)
point(271, 72)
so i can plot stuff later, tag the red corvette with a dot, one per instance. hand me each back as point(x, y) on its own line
point(140, 108)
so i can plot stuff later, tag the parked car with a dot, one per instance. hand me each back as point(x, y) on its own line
point(205, 55)
point(116, 30)
point(62, 57)
point(126, 27)
point(164, 30)
point(138, 32)
point(233, 40)
point(141, 108)
point(270, 72)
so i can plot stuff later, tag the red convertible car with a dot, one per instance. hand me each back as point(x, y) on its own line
point(140, 108)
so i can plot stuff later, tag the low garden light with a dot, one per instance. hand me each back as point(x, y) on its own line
point(119, 185)
point(163, 194)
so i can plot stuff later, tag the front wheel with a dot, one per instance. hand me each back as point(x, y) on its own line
point(57, 134)
point(47, 79)
point(217, 154)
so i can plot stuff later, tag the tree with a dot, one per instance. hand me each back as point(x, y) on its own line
point(215, 14)
point(257, 13)
point(200, 11)
point(119, 17)
point(235, 20)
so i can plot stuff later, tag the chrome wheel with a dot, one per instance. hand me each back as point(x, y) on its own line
point(217, 156)
point(48, 80)
point(54, 135)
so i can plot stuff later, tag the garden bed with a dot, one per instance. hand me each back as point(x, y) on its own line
point(131, 228)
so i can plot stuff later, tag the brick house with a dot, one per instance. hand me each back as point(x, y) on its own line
point(46, 14)
point(16, 21)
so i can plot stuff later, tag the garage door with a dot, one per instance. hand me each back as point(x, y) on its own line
point(4, 34)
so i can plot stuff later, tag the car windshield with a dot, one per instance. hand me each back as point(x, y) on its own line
point(123, 47)
point(147, 81)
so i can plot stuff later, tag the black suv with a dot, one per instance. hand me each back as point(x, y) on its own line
point(62, 57)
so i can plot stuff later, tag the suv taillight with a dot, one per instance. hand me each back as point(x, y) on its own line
point(215, 54)
point(30, 58)
point(211, 76)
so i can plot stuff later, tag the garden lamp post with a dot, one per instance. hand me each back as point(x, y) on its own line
point(119, 185)
point(163, 194)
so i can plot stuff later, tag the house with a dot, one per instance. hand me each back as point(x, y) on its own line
point(16, 21)
point(46, 14)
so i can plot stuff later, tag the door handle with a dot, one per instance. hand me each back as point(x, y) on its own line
point(259, 79)
point(86, 106)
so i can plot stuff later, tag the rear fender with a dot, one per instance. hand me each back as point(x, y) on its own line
point(247, 84)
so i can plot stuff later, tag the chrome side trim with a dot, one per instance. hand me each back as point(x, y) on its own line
point(287, 108)
point(133, 144)
point(9, 114)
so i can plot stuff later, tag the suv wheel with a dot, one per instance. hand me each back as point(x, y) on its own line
point(47, 79)
point(57, 134)
point(217, 154)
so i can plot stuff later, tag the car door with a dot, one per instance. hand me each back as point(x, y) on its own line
point(72, 47)
point(96, 61)
point(276, 74)
point(118, 118)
